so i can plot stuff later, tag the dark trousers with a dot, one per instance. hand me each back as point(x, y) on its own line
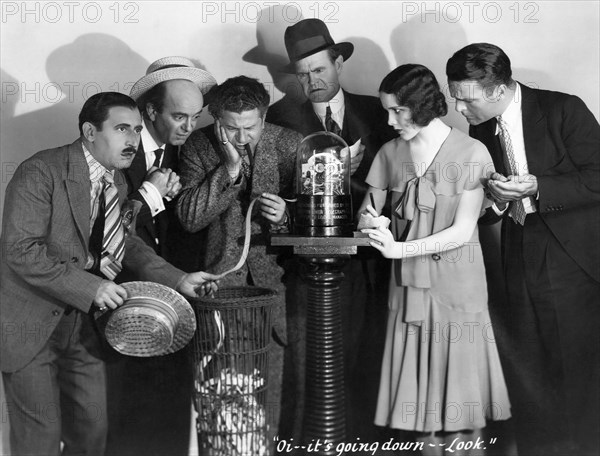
point(60, 395)
point(150, 402)
point(549, 343)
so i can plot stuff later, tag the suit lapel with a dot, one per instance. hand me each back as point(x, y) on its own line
point(78, 190)
point(311, 122)
point(265, 175)
point(137, 171)
point(486, 133)
point(171, 157)
point(354, 126)
point(534, 130)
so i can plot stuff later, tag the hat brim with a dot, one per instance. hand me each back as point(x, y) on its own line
point(345, 48)
point(128, 326)
point(203, 79)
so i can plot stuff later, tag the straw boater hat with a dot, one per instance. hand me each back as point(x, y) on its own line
point(169, 68)
point(154, 320)
point(308, 37)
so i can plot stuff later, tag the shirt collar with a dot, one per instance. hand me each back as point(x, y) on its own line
point(512, 113)
point(336, 104)
point(147, 139)
point(95, 167)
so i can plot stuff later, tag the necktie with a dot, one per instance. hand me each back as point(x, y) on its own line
point(516, 210)
point(246, 171)
point(158, 153)
point(113, 242)
point(330, 124)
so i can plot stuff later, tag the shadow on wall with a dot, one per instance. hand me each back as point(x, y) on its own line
point(431, 43)
point(92, 63)
point(366, 68)
point(270, 49)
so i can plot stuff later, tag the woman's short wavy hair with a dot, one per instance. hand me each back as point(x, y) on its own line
point(416, 88)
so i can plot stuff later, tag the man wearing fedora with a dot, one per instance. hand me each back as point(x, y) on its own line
point(150, 397)
point(317, 61)
point(65, 240)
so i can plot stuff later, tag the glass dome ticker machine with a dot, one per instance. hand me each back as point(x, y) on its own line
point(324, 206)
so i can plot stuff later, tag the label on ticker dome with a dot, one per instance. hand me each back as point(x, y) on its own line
point(324, 210)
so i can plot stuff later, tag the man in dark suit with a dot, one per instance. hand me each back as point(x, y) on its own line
point(158, 390)
point(170, 97)
point(63, 244)
point(546, 151)
point(317, 61)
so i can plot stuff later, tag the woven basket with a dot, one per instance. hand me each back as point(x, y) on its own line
point(231, 370)
point(154, 320)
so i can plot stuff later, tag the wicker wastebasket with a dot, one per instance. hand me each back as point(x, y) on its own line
point(231, 353)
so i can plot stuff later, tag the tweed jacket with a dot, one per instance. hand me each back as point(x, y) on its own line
point(210, 200)
point(562, 142)
point(45, 241)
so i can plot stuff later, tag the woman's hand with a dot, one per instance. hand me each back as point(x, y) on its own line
point(383, 240)
point(272, 208)
point(371, 210)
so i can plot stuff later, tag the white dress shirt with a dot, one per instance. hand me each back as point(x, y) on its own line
point(513, 117)
point(148, 190)
point(337, 106)
point(97, 172)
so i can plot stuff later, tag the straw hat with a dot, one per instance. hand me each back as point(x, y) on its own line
point(308, 37)
point(154, 320)
point(169, 68)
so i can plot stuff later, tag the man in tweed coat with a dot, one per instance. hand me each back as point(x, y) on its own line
point(223, 167)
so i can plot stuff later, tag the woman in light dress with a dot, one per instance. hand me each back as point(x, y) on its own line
point(441, 376)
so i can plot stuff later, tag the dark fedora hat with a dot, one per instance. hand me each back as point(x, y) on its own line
point(308, 37)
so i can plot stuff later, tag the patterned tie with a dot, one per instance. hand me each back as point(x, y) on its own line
point(113, 242)
point(158, 153)
point(330, 124)
point(246, 170)
point(516, 210)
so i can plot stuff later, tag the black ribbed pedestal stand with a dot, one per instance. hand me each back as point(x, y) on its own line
point(324, 417)
point(324, 411)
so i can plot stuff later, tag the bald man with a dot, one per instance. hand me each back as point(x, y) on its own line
point(150, 398)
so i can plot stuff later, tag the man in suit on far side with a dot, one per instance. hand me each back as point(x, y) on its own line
point(546, 151)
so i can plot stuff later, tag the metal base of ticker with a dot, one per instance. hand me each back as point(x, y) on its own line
point(323, 215)
point(323, 258)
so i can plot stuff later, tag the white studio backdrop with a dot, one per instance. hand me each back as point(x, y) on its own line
point(54, 55)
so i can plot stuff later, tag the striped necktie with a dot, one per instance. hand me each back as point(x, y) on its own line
point(113, 242)
point(516, 209)
point(331, 124)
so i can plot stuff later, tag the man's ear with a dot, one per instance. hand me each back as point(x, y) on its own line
point(89, 131)
point(501, 92)
point(339, 64)
point(151, 112)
